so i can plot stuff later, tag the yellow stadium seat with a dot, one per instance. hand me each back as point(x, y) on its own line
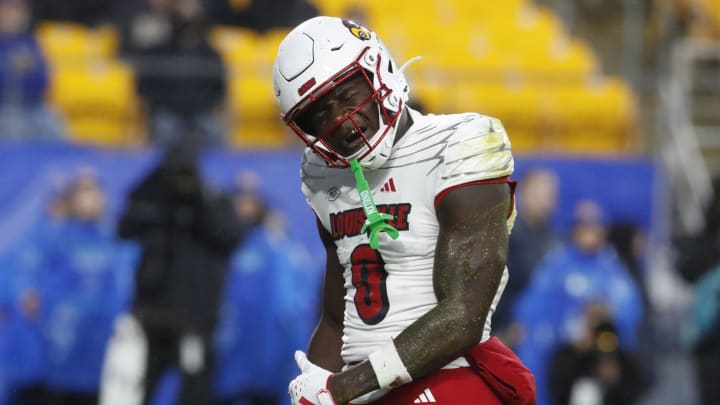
point(601, 117)
point(466, 53)
point(515, 106)
point(396, 35)
point(234, 44)
point(254, 115)
point(341, 8)
point(567, 61)
point(478, 12)
point(429, 94)
point(522, 45)
point(268, 44)
point(532, 28)
point(258, 134)
point(509, 59)
point(70, 42)
point(608, 105)
point(252, 97)
point(524, 140)
point(546, 117)
point(254, 57)
point(98, 101)
point(592, 142)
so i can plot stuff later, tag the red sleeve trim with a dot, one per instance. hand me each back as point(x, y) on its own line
point(504, 179)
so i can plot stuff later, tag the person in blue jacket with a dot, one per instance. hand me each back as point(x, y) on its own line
point(22, 355)
point(263, 317)
point(79, 284)
point(582, 272)
point(24, 78)
point(22, 346)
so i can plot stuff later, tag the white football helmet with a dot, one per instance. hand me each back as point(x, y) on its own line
point(316, 57)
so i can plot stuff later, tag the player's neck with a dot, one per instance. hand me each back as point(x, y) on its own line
point(404, 124)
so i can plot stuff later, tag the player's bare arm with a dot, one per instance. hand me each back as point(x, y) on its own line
point(469, 262)
point(326, 342)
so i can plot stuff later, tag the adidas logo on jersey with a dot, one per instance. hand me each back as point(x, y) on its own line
point(389, 186)
point(425, 398)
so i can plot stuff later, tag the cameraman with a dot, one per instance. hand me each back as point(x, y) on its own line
point(187, 233)
point(593, 368)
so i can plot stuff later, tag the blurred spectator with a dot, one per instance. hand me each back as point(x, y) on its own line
point(75, 283)
point(593, 369)
point(630, 244)
point(696, 254)
point(22, 353)
point(531, 238)
point(143, 24)
point(188, 233)
point(181, 78)
point(82, 294)
point(23, 78)
point(86, 12)
point(698, 261)
point(266, 268)
point(673, 19)
point(704, 334)
point(22, 350)
point(261, 15)
point(582, 271)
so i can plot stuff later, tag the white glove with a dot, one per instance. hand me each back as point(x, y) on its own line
point(311, 386)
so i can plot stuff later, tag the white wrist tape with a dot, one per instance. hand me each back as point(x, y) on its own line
point(388, 366)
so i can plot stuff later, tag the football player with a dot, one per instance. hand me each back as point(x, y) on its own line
point(405, 312)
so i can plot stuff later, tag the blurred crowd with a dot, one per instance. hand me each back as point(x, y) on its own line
point(68, 286)
point(577, 308)
point(181, 78)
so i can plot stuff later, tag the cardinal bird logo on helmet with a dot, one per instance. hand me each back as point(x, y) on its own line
point(357, 30)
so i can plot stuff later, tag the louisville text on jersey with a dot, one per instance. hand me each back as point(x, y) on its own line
point(349, 223)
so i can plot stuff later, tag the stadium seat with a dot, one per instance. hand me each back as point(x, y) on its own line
point(564, 61)
point(516, 106)
point(70, 42)
point(247, 52)
point(597, 118)
point(268, 44)
point(98, 101)
point(341, 8)
point(509, 59)
point(252, 96)
point(258, 134)
point(254, 115)
point(234, 44)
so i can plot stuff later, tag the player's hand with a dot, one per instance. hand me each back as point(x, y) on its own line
point(311, 387)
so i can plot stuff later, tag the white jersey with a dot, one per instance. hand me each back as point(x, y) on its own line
point(389, 288)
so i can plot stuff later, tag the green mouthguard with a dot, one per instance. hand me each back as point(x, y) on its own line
point(375, 220)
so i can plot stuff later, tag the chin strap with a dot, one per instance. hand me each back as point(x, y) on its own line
point(375, 220)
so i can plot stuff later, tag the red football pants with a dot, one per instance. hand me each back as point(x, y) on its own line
point(496, 376)
point(458, 386)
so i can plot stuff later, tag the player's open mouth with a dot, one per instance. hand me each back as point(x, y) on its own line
point(354, 136)
point(353, 141)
